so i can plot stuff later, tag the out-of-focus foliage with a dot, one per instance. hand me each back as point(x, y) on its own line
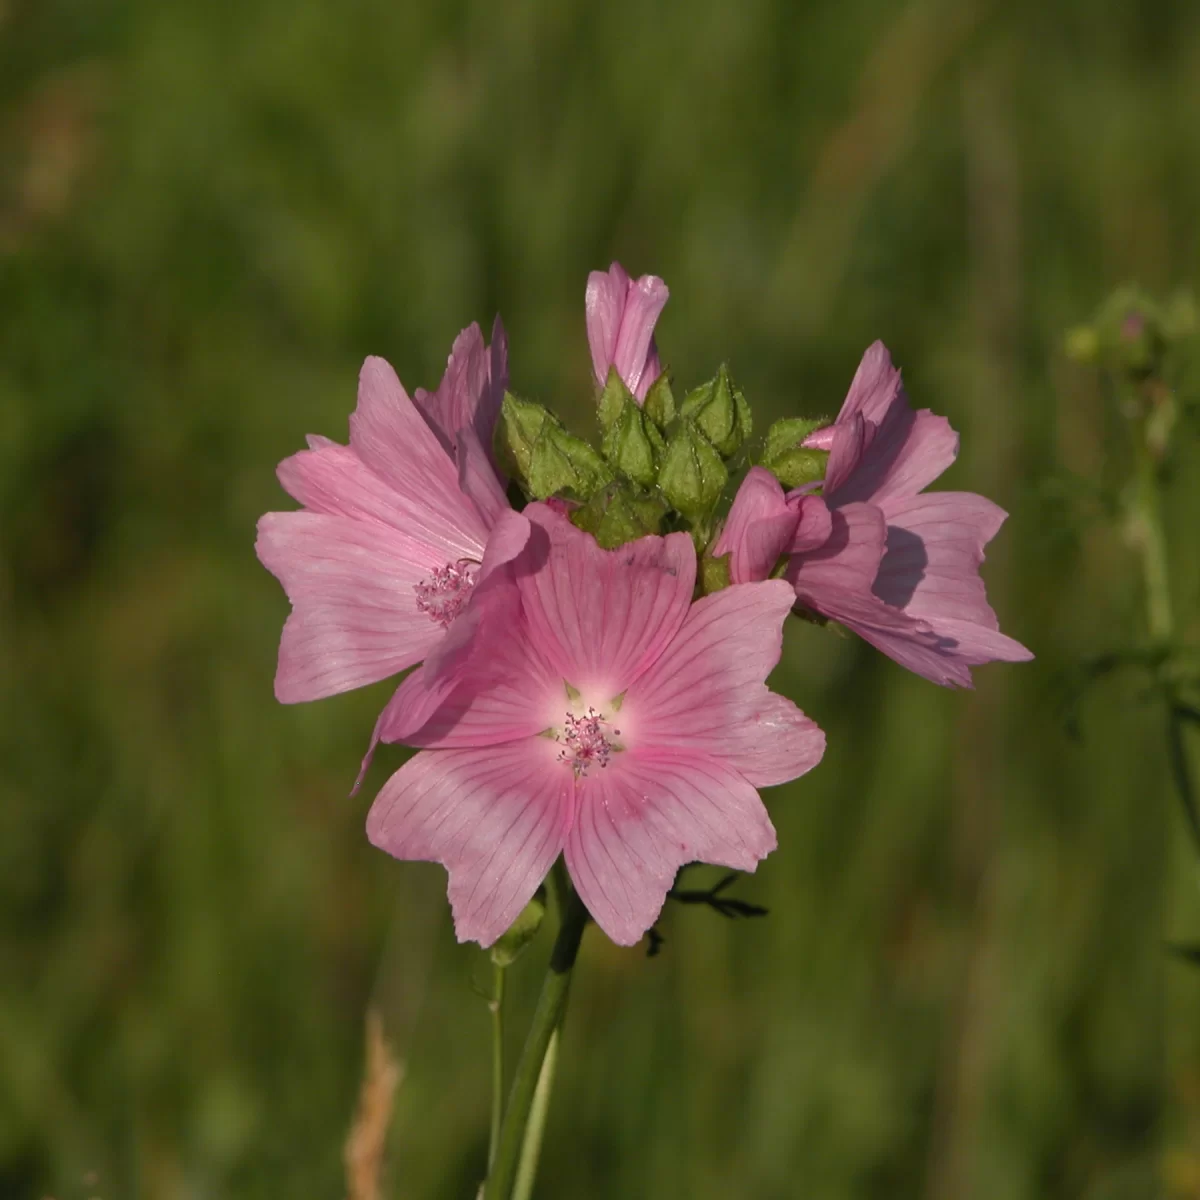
point(209, 213)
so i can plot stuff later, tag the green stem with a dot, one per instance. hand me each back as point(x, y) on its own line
point(531, 1148)
point(1153, 543)
point(497, 1007)
point(547, 1018)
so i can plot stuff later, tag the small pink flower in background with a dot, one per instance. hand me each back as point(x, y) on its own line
point(610, 719)
point(899, 568)
point(621, 315)
point(382, 560)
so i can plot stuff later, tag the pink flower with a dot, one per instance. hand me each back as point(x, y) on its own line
point(899, 568)
point(612, 720)
point(621, 315)
point(393, 539)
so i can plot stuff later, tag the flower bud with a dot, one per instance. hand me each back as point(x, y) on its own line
point(692, 475)
point(721, 412)
point(659, 404)
point(533, 447)
point(510, 945)
point(628, 447)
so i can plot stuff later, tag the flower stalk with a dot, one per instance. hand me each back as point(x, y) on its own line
point(547, 1019)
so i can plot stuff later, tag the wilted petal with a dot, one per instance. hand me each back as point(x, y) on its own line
point(495, 818)
point(707, 694)
point(354, 615)
point(638, 822)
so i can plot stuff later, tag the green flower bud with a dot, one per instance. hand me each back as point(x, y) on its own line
point(534, 448)
point(618, 514)
point(613, 399)
point(562, 464)
point(628, 447)
point(721, 412)
point(510, 945)
point(659, 405)
point(692, 475)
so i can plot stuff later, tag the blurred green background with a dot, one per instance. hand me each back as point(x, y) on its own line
point(209, 213)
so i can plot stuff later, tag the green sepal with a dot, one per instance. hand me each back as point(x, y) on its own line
point(628, 447)
point(721, 412)
point(784, 456)
point(788, 433)
point(714, 574)
point(618, 514)
point(692, 475)
point(613, 398)
point(659, 404)
point(517, 429)
point(512, 943)
point(797, 467)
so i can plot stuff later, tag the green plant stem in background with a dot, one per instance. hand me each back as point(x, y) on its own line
point(547, 1018)
point(497, 1009)
point(1152, 546)
point(1152, 542)
point(531, 1148)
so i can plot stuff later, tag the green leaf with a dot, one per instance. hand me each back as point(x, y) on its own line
point(714, 574)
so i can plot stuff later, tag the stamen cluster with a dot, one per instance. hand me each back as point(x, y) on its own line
point(445, 593)
point(585, 742)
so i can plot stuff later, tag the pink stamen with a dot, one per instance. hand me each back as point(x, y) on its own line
point(446, 592)
point(585, 741)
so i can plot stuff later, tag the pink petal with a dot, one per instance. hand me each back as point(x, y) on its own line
point(815, 522)
point(601, 616)
point(642, 818)
point(490, 608)
point(875, 387)
point(354, 616)
point(333, 479)
point(707, 694)
point(478, 478)
point(931, 570)
point(636, 356)
point(760, 527)
point(621, 315)
point(390, 436)
point(495, 818)
point(879, 447)
point(604, 303)
point(837, 580)
point(452, 406)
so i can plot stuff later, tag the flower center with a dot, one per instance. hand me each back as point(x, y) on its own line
point(445, 593)
point(586, 741)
